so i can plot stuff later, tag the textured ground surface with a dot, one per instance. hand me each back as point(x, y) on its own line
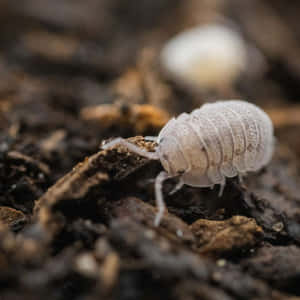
point(77, 222)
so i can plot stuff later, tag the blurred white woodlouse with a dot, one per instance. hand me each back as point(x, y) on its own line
point(206, 56)
point(218, 140)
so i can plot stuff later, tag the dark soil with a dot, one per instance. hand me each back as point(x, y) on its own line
point(77, 222)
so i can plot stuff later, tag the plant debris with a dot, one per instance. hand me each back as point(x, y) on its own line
point(76, 221)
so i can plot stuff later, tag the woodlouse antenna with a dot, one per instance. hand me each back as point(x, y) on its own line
point(133, 148)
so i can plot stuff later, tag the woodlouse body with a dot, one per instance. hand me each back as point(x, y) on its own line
point(218, 140)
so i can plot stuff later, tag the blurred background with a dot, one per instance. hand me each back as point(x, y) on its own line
point(73, 73)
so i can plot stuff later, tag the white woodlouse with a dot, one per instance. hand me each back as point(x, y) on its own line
point(218, 140)
point(206, 56)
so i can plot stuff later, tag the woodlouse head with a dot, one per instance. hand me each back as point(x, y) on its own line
point(171, 157)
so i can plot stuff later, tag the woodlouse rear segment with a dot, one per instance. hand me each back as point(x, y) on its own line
point(237, 137)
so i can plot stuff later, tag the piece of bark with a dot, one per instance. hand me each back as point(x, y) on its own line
point(229, 236)
point(84, 186)
point(15, 219)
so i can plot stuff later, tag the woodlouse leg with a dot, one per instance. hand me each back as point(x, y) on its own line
point(241, 177)
point(222, 186)
point(159, 198)
point(215, 176)
point(177, 187)
point(133, 148)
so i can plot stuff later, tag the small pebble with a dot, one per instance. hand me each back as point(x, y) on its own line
point(278, 226)
point(221, 263)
